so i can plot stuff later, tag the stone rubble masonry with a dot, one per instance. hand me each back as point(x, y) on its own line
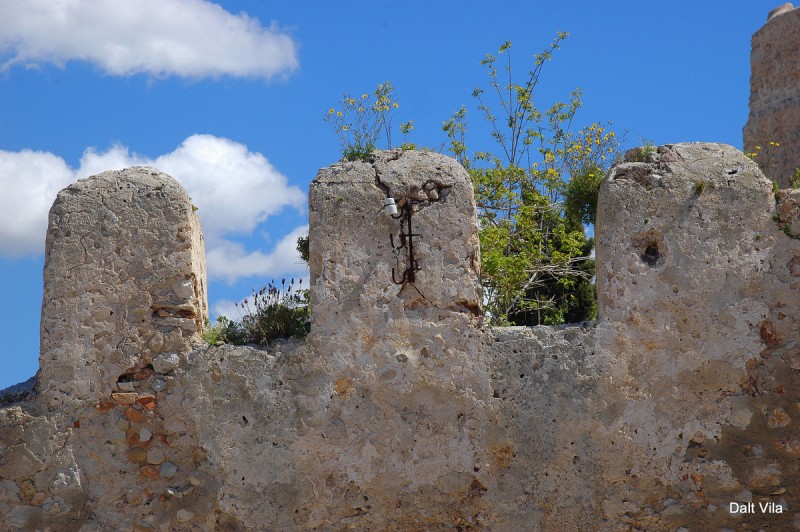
point(402, 411)
point(124, 281)
point(775, 95)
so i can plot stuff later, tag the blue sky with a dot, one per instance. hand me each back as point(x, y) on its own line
point(229, 97)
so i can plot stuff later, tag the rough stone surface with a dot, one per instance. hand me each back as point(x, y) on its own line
point(775, 95)
point(124, 281)
point(400, 411)
point(698, 310)
point(351, 257)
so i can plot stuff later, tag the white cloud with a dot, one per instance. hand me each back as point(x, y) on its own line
point(235, 190)
point(185, 38)
point(29, 182)
point(230, 261)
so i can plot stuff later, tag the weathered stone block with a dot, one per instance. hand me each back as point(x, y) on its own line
point(351, 253)
point(124, 270)
point(775, 95)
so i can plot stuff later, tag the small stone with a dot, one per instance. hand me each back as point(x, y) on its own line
point(124, 398)
point(766, 476)
point(179, 493)
point(126, 386)
point(137, 455)
point(143, 374)
point(105, 406)
point(147, 401)
point(199, 454)
point(433, 195)
point(168, 470)
point(149, 471)
point(144, 434)
point(741, 418)
point(158, 385)
point(184, 289)
point(132, 437)
point(155, 455)
point(778, 418)
point(55, 506)
point(768, 333)
point(183, 516)
point(123, 424)
point(166, 362)
point(134, 415)
point(28, 489)
point(193, 480)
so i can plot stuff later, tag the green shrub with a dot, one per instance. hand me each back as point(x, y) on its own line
point(276, 312)
point(534, 192)
point(224, 331)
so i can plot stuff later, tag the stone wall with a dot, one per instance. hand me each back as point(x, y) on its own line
point(124, 282)
point(775, 95)
point(401, 410)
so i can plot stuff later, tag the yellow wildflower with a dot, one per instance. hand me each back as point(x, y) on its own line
point(345, 128)
point(395, 105)
point(330, 111)
point(364, 96)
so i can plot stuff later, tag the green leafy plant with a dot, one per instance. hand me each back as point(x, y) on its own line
point(270, 313)
point(699, 187)
point(406, 128)
point(765, 157)
point(359, 122)
point(302, 247)
point(276, 312)
point(224, 331)
point(641, 153)
point(534, 193)
point(794, 181)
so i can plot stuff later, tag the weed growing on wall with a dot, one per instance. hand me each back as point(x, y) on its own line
point(275, 311)
point(764, 158)
point(224, 331)
point(534, 190)
point(361, 121)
